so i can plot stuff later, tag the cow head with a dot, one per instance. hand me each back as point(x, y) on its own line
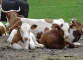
point(75, 23)
point(64, 26)
point(25, 30)
point(11, 13)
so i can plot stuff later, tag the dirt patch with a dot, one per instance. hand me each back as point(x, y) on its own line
point(6, 53)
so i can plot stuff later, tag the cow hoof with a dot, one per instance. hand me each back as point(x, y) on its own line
point(77, 44)
point(40, 45)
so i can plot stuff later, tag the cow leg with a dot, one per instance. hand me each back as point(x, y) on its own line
point(16, 46)
point(26, 44)
point(32, 44)
point(70, 44)
point(35, 42)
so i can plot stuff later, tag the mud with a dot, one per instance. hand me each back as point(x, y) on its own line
point(6, 53)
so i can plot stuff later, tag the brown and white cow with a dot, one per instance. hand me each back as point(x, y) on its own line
point(2, 29)
point(23, 33)
point(54, 38)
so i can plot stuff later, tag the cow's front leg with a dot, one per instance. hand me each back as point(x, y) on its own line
point(26, 44)
point(32, 44)
point(35, 42)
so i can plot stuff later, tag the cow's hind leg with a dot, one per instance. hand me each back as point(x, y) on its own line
point(13, 40)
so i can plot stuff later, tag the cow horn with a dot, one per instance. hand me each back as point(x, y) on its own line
point(4, 11)
point(18, 10)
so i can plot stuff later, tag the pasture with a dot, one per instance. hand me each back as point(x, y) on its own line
point(54, 9)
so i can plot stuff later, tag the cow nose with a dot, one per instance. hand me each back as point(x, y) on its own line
point(25, 38)
point(66, 37)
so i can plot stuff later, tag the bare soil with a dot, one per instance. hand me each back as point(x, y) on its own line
point(6, 53)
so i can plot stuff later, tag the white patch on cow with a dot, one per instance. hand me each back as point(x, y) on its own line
point(26, 44)
point(71, 23)
point(71, 37)
point(35, 42)
point(16, 46)
point(11, 35)
point(1, 24)
point(77, 44)
point(59, 21)
point(7, 24)
point(65, 28)
point(32, 44)
point(25, 30)
point(82, 29)
point(3, 34)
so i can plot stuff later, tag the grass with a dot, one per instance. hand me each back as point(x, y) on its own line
point(54, 9)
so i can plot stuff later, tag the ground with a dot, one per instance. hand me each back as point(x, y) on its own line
point(7, 53)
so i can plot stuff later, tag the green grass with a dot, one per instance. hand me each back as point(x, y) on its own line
point(54, 9)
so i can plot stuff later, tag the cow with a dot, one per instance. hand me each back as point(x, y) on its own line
point(23, 33)
point(54, 38)
point(14, 5)
point(78, 25)
point(20, 31)
point(2, 29)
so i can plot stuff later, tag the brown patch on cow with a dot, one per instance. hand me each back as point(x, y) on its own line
point(53, 39)
point(46, 29)
point(17, 23)
point(76, 35)
point(39, 35)
point(33, 26)
point(75, 23)
point(49, 20)
point(0, 1)
point(17, 37)
point(2, 30)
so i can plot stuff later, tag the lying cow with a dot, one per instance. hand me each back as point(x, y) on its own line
point(23, 33)
point(54, 38)
point(2, 29)
point(78, 25)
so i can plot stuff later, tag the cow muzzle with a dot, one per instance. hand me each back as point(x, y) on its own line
point(66, 37)
point(26, 38)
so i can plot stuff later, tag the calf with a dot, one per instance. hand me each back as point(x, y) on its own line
point(23, 33)
point(2, 29)
point(54, 39)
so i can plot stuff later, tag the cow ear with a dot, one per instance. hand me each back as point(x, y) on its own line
point(33, 26)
